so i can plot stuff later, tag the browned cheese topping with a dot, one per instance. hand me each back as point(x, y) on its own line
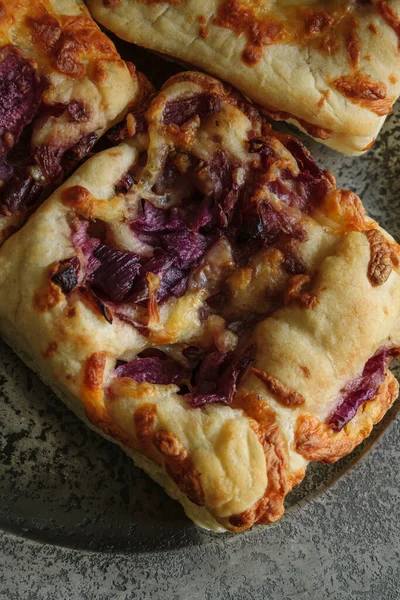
point(326, 27)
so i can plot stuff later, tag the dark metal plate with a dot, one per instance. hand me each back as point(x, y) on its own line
point(63, 484)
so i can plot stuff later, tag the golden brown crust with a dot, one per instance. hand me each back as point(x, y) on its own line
point(380, 262)
point(297, 291)
point(390, 16)
point(144, 418)
point(279, 390)
point(204, 32)
point(296, 478)
point(230, 465)
point(263, 420)
point(179, 466)
point(50, 350)
point(316, 440)
point(232, 15)
point(155, 2)
point(296, 24)
point(80, 88)
point(169, 445)
point(361, 89)
point(111, 3)
point(47, 296)
point(78, 198)
point(68, 45)
point(352, 42)
point(94, 371)
point(92, 390)
point(345, 208)
point(92, 396)
point(347, 48)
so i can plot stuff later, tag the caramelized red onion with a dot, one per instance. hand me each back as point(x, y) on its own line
point(215, 376)
point(360, 390)
point(152, 369)
point(21, 90)
point(180, 111)
point(116, 272)
point(224, 203)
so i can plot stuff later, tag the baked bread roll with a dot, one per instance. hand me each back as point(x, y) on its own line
point(204, 296)
point(330, 68)
point(62, 84)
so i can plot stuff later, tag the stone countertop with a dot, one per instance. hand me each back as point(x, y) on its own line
point(342, 544)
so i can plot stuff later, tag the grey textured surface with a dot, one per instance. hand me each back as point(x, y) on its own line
point(342, 544)
point(78, 521)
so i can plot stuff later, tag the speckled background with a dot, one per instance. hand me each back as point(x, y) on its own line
point(78, 521)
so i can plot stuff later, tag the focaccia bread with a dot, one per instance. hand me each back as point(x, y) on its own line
point(330, 67)
point(203, 295)
point(62, 84)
